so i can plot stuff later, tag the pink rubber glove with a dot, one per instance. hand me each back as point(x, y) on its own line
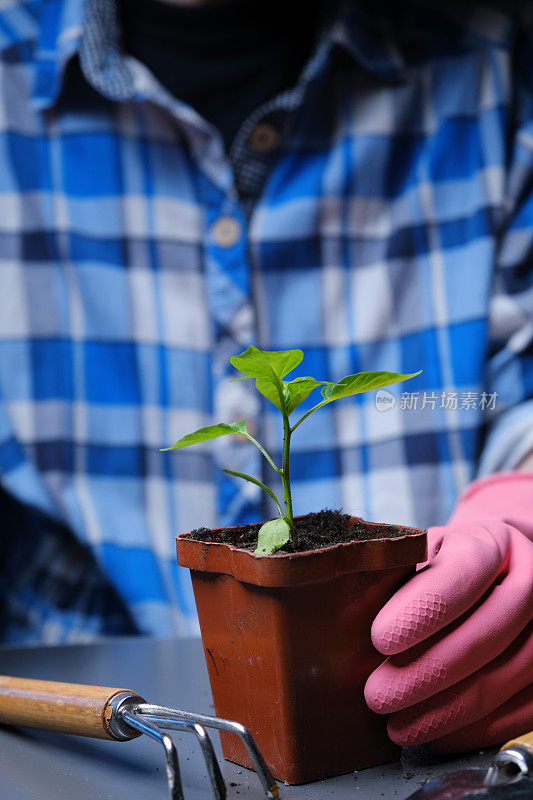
point(459, 634)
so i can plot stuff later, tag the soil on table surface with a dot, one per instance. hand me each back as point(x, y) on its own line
point(314, 531)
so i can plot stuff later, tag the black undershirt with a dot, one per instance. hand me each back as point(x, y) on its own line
point(224, 58)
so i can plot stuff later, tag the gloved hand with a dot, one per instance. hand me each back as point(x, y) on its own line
point(459, 633)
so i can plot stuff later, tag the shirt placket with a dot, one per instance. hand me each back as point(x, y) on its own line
point(229, 188)
point(233, 322)
point(232, 305)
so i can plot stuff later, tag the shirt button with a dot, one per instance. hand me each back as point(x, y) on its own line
point(226, 231)
point(264, 138)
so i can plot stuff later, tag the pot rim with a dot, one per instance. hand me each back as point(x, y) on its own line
point(287, 569)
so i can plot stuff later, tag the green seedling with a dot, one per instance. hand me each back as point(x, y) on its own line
point(268, 369)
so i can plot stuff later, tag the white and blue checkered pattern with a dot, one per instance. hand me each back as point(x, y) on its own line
point(391, 230)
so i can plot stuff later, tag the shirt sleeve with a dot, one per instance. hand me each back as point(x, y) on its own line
point(510, 360)
point(52, 590)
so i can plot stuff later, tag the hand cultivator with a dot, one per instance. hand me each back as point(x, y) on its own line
point(105, 713)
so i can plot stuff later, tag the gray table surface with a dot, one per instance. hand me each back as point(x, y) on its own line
point(38, 765)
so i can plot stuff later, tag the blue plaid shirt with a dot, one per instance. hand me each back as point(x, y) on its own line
point(379, 215)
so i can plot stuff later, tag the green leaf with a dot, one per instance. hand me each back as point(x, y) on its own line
point(297, 390)
point(250, 479)
point(210, 432)
point(272, 536)
point(266, 363)
point(270, 390)
point(362, 382)
point(268, 367)
point(354, 384)
point(294, 392)
point(267, 387)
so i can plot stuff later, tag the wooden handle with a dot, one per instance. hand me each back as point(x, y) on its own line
point(62, 707)
point(523, 741)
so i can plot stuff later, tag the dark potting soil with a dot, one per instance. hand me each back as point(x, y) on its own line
point(320, 529)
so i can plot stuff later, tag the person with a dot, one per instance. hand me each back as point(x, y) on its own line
point(181, 180)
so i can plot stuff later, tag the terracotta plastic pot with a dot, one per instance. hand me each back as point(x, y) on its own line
point(288, 649)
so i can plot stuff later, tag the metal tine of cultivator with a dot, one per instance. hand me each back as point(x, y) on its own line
point(165, 715)
point(152, 723)
point(188, 726)
point(173, 769)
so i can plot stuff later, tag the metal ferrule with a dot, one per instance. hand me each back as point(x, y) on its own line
point(125, 701)
point(514, 762)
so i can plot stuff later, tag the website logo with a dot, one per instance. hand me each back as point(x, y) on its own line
point(385, 400)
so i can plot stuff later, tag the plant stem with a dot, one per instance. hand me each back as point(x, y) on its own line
point(308, 414)
point(262, 449)
point(285, 477)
